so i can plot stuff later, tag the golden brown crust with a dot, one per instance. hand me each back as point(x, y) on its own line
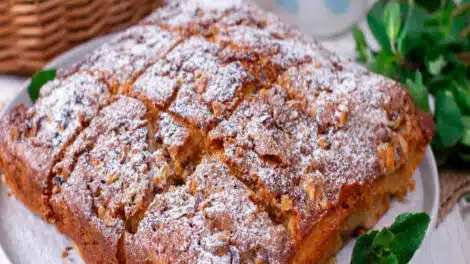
point(213, 132)
point(105, 180)
point(33, 139)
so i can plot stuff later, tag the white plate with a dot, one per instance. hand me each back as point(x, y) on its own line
point(25, 238)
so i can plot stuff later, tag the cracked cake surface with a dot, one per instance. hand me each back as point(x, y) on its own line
point(35, 137)
point(106, 178)
point(211, 132)
point(211, 219)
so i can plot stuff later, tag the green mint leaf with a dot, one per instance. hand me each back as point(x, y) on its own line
point(363, 248)
point(38, 80)
point(404, 222)
point(392, 18)
point(449, 125)
point(466, 138)
point(413, 28)
point(377, 254)
point(442, 154)
point(384, 63)
point(466, 122)
point(430, 5)
point(377, 26)
point(435, 66)
point(383, 239)
point(434, 39)
point(406, 28)
point(418, 91)
point(445, 16)
point(467, 198)
point(409, 230)
point(460, 21)
point(435, 84)
point(464, 156)
point(394, 245)
point(462, 96)
point(466, 135)
point(361, 44)
point(390, 259)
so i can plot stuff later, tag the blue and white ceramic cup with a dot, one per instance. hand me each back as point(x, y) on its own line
point(321, 18)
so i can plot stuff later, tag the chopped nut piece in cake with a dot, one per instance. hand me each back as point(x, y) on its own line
point(36, 137)
point(211, 219)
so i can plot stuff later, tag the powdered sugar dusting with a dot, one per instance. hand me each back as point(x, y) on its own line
point(194, 53)
point(114, 160)
point(193, 15)
point(331, 91)
point(224, 82)
point(170, 132)
point(257, 138)
point(214, 221)
point(65, 106)
point(158, 83)
point(286, 151)
point(189, 107)
point(214, 86)
point(282, 50)
point(131, 52)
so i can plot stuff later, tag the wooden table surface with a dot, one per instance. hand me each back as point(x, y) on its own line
point(449, 243)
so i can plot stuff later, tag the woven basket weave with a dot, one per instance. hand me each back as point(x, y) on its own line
point(32, 32)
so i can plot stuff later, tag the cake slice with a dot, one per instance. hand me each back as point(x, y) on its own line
point(111, 173)
point(105, 181)
point(210, 219)
point(107, 178)
point(32, 140)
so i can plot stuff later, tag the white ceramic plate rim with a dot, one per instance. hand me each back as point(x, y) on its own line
point(77, 52)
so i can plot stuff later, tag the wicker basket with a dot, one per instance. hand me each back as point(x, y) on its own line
point(32, 32)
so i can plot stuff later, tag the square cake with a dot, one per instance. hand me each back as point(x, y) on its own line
point(213, 133)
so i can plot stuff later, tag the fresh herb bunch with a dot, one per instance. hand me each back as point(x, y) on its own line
point(393, 245)
point(425, 45)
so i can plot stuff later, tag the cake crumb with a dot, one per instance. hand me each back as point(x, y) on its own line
point(66, 252)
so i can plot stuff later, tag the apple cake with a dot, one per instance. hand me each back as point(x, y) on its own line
point(213, 133)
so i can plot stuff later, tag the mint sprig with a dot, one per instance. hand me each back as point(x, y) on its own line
point(393, 245)
point(425, 44)
point(38, 80)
